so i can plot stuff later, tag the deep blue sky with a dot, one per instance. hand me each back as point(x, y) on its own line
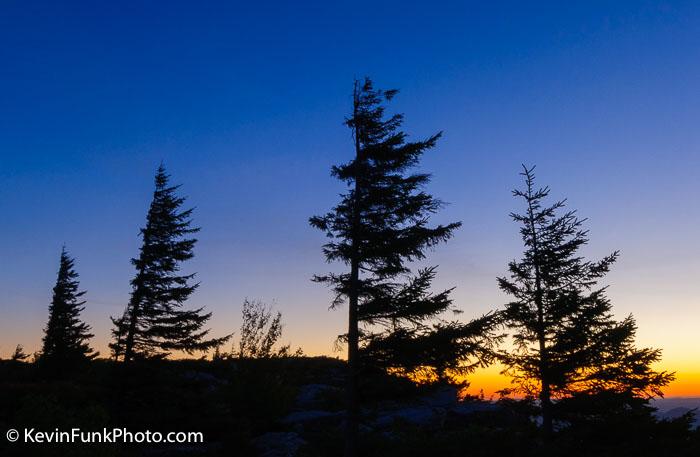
point(245, 104)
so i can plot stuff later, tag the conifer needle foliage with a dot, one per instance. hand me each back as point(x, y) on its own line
point(566, 339)
point(155, 321)
point(66, 336)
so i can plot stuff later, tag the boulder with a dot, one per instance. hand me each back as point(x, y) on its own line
point(278, 444)
point(467, 408)
point(443, 397)
point(416, 415)
point(311, 395)
point(303, 417)
point(207, 380)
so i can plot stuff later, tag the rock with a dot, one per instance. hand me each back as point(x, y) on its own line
point(278, 444)
point(311, 395)
point(208, 380)
point(182, 450)
point(432, 410)
point(302, 417)
point(470, 412)
point(443, 397)
point(416, 415)
point(467, 408)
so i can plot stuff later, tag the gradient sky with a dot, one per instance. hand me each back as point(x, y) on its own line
point(245, 104)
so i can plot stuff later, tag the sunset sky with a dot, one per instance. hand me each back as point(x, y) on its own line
point(245, 103)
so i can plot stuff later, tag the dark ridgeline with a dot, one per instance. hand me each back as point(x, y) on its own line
point(567, 342)
point(154, 322)
point(381, 224)
point(66, 336)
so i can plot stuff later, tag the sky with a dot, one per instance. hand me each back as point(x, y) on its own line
point(244, 103)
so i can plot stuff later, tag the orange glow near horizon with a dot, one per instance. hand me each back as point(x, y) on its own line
point(490, 380)
point(686, 384)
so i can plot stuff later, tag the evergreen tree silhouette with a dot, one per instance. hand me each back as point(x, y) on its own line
point(66, 336)
point(406, 334)
point(381, 224)
point(566, 340)
point(19, 355)
point(155, 322)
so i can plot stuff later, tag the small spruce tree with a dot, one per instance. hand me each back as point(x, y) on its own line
point(66, 336)
point(19, 355)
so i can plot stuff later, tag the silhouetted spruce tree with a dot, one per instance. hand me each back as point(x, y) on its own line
point(19, 355)
point(66, 336)
point(566, 340)
point(154, 322)
point(381, 224)
point(405, 333)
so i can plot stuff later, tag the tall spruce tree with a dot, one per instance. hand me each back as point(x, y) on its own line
point(380, 225)
point(154, 322)
point(66, 336)
point(566, 340)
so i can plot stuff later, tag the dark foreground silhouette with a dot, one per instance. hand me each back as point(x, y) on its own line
point(585, 382)
point(294, 406)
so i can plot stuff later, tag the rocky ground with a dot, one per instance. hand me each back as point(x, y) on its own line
point(295, 407)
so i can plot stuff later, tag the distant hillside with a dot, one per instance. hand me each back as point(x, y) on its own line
point(671, 408)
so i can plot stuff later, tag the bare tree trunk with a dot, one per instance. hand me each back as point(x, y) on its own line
point(352, 420)
point(129, 342)
point(353, 400)
point(545, 389)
